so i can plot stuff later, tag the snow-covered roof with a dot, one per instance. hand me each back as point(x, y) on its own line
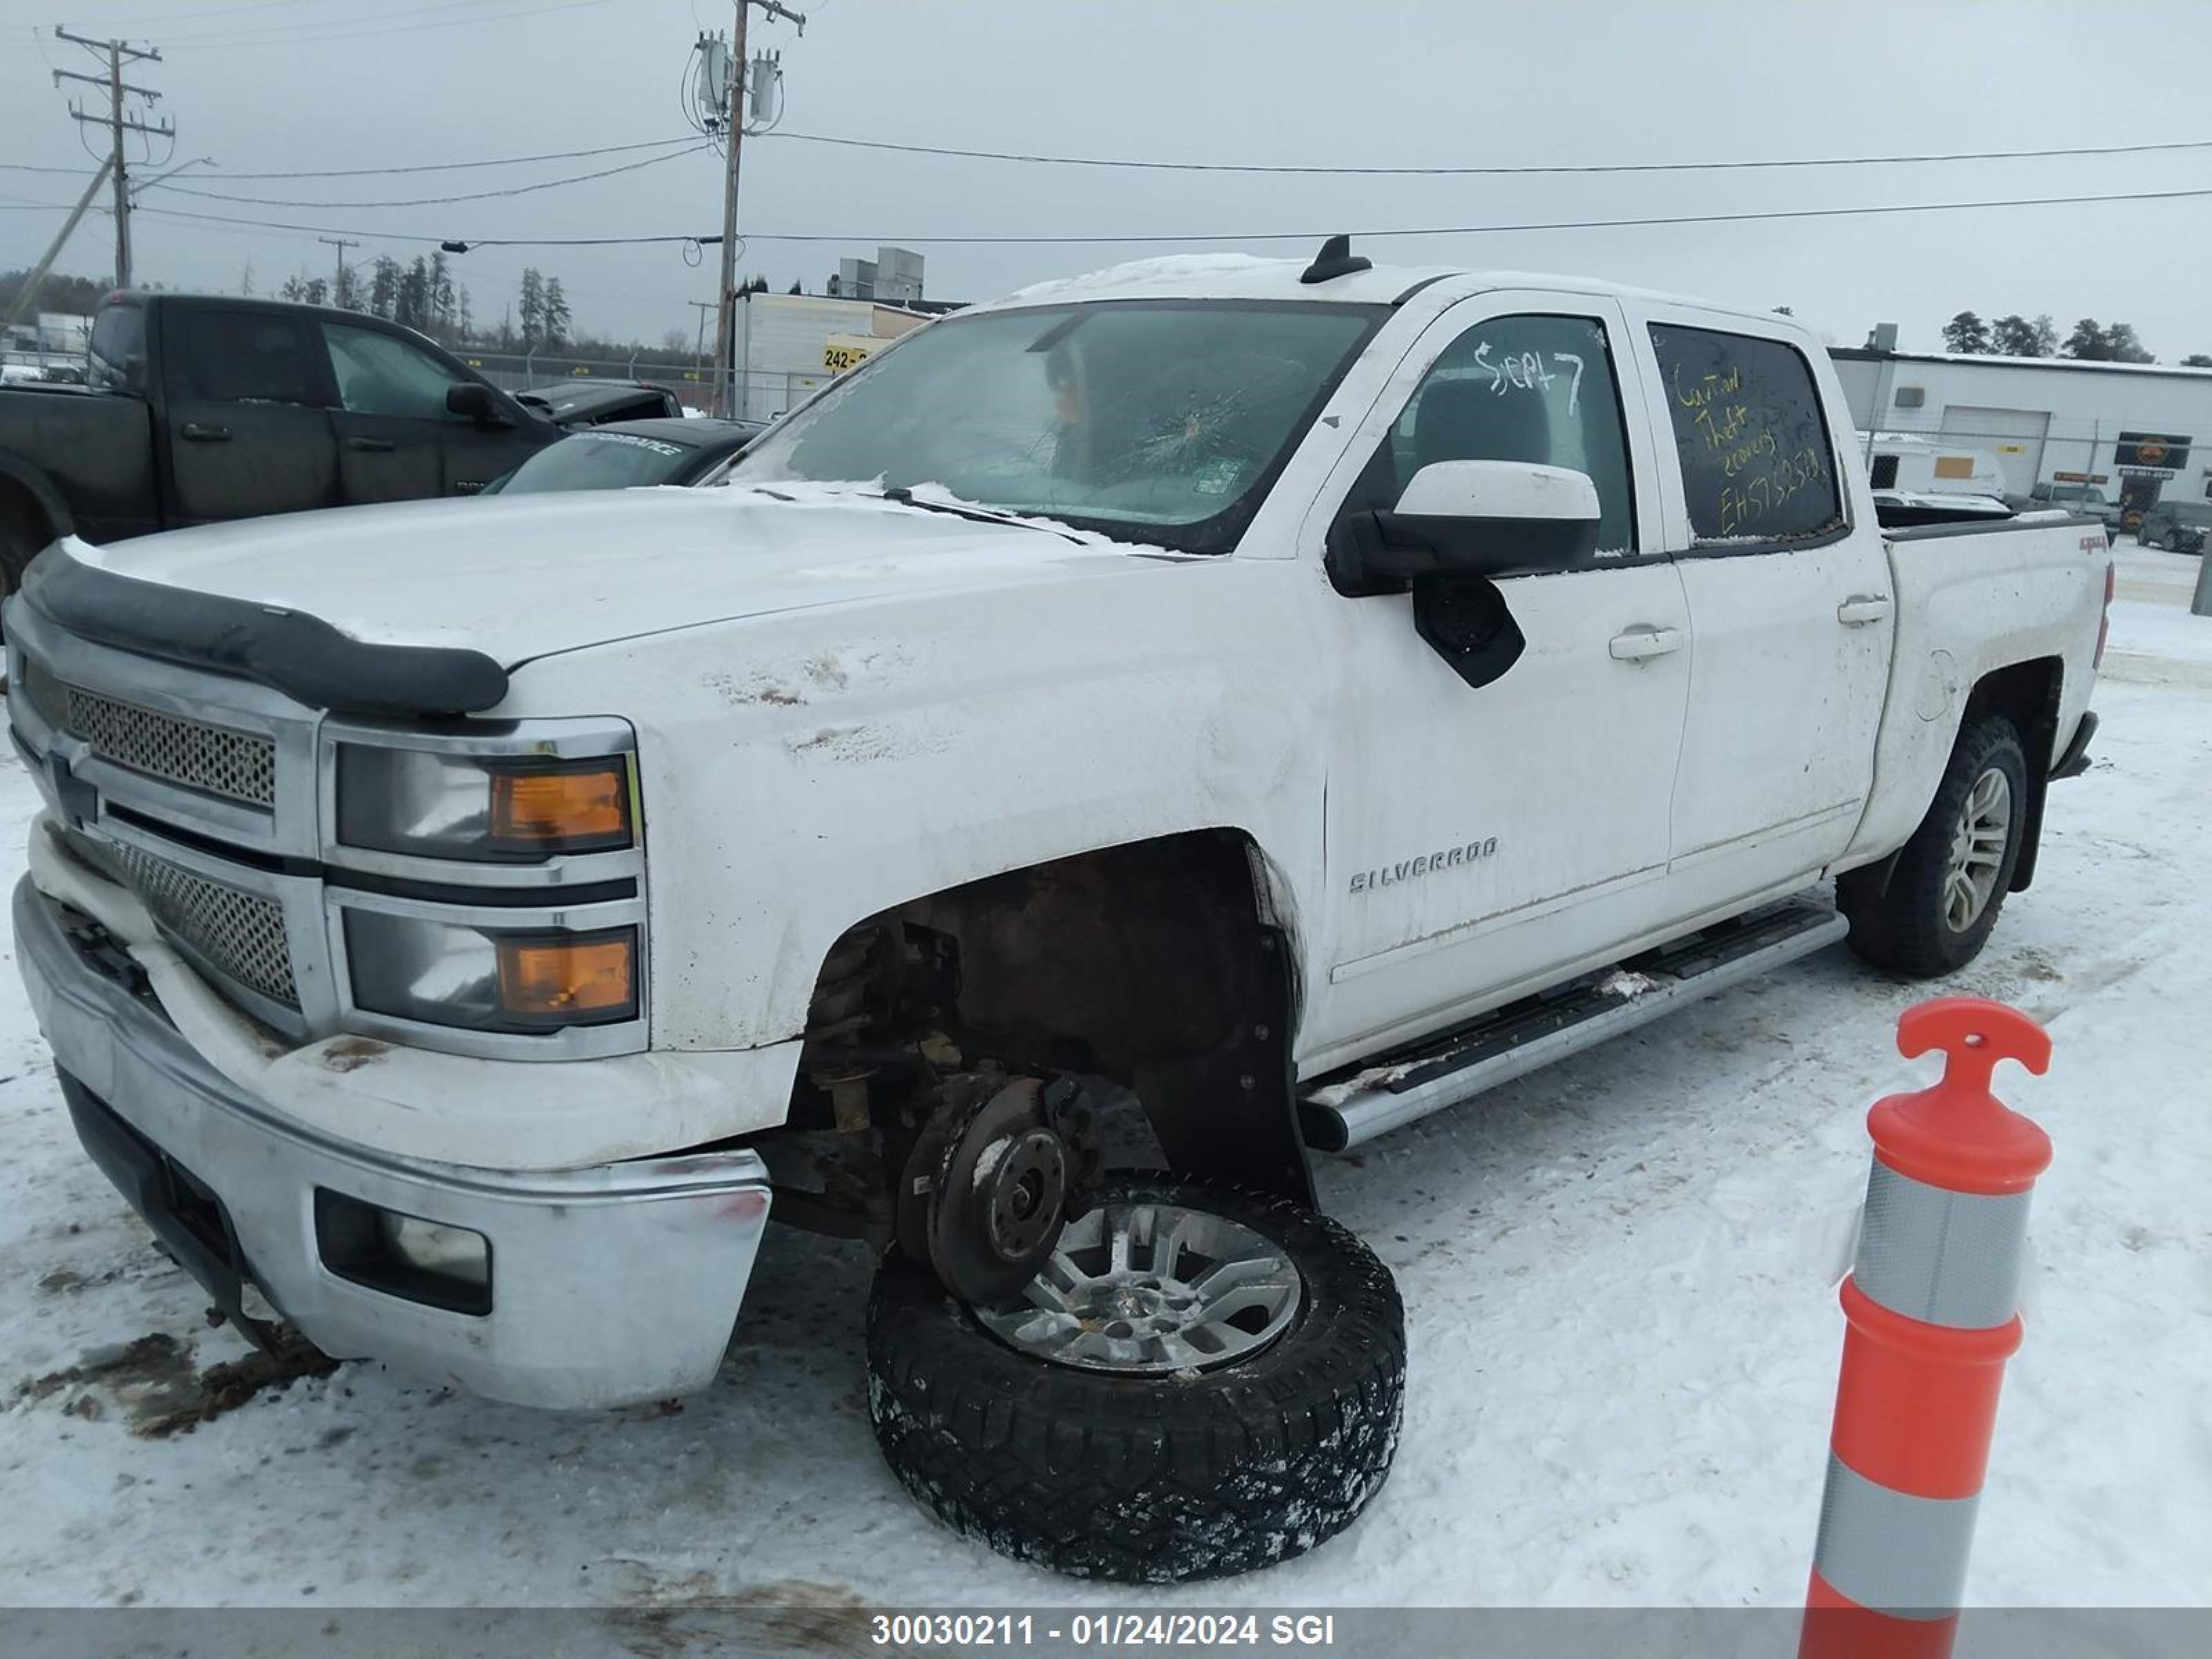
point(1993, 359)
point(1248, 276)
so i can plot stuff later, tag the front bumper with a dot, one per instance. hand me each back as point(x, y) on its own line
point(608, 1284)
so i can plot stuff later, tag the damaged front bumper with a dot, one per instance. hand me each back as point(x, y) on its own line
point(569, 1288)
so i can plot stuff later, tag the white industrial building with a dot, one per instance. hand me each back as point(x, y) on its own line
point(2141, 431)
point(789, 344)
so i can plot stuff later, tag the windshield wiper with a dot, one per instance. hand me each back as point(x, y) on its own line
point(905, 497)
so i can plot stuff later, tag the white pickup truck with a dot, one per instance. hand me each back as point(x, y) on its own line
point(1289, 698)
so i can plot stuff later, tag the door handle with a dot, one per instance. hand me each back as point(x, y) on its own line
point(1634, 644)
point(376, 445)
point(204, 435)
point(1861, 609)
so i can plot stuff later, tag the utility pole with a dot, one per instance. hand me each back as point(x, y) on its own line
point(699, 348)
point(29, 291)
point(726, 368)
point(339, 281)
point(117, 124)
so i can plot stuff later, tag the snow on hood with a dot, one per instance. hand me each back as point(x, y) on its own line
point(523, 576)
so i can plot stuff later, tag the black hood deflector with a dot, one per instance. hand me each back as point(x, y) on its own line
point(289, 651)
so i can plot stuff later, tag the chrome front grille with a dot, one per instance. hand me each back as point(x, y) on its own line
point(238, 766)
point(238, 934)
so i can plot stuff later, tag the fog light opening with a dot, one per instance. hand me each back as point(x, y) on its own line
point(407, 1256)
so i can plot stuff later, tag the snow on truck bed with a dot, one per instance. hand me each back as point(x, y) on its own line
point(1619, 1271)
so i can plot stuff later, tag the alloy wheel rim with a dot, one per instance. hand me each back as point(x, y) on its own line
point(1977, 849)
point(1146, 1289)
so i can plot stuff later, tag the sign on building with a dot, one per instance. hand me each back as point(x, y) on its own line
point(2150, 455)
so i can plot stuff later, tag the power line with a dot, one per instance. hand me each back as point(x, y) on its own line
point(1492, 172)
point(426, 167)
point(1201, 167)
point(435, 200)
point(1155, 238)
point(414, 236)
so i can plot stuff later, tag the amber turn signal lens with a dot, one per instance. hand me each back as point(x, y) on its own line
point(583, 805)
point(589, 973)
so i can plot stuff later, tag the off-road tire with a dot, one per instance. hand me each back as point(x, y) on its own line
point(1902, 927)
point(1149, 1480)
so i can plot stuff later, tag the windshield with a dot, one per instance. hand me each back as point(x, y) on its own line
point(1155, 420)
point(596, 460)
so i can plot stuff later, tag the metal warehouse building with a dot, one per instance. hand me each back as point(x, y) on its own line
point(2141, 432)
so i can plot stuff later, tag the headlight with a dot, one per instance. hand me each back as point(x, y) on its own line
point(490, 978)
point(457, 806)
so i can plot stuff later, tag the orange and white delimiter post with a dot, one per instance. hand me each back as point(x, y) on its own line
point(1932, 1305)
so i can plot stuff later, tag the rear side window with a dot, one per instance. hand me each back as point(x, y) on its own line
point(1757, 464)
point(241, 357)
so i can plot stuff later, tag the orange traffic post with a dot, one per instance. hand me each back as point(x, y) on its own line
point(1932, 1312)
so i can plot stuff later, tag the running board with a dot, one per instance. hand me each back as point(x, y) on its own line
point(1393, 1088)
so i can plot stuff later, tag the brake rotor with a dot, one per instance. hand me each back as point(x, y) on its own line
point(998, 1198)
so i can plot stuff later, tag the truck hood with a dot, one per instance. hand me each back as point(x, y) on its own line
point(525, 576)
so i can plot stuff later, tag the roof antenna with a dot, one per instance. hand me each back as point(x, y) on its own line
point(1336, 259)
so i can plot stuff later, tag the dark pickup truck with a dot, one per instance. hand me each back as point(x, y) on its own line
point(200, 409)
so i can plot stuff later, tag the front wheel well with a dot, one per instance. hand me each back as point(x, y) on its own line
point(1158, 965)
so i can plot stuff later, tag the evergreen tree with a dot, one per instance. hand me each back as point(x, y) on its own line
point(384, 286)
point(2088, 342)
point(533, 307)
point(1966, 334)
point(2197, 360)
point(411, 306)
point(556, 318)
point(2014, 336)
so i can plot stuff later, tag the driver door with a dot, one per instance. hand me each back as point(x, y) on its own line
point(1484, 839)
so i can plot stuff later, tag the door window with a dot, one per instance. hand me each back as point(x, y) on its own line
point(243, 358)
point(118, 349)
point(1518, 389)
point(378, 374)
point(1757, 464)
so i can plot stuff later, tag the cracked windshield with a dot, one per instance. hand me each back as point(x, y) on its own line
point(1153, 421)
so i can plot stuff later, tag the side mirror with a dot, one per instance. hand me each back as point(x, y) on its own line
point(476, 402)
point(1469, 519)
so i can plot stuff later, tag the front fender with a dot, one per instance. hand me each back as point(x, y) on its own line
point(803, 771)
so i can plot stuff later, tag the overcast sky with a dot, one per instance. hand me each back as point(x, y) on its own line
point(265, 85)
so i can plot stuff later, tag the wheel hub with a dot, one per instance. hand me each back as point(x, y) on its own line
point(1146, 1289)
point(1978, 839)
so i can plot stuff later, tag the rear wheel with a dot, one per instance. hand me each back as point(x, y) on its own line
point(1948, 883)
point(1201, 1382)
point(2170, 541)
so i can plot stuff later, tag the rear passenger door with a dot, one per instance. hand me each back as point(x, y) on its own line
point(247, 432)
point(1789, 611)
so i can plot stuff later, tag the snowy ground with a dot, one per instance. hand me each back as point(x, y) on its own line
point(1618, 1274)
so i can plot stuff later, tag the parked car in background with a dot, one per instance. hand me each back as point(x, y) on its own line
point(627, 453)
point(595, 402)
point(2075, 498)
point(2177, 527)
point(203, 408)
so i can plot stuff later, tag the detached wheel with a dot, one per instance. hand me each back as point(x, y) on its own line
point(1200, 1383)
point(1951, 879)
